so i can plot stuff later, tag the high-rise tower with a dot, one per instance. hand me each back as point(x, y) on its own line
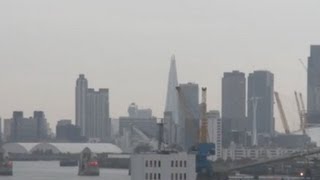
point(81, 96)
point(260, 96)
point(172, 94)
point(314, 85)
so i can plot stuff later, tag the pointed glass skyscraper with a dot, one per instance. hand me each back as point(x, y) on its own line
point(172, 94)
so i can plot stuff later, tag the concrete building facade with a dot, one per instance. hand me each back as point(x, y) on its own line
point(189, 113)
point(81, 97)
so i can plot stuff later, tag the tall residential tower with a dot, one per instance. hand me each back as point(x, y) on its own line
point(81, 97)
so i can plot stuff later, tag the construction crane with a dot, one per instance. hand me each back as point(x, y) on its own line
point(282, 114)
point(204, 120)
point(301, 114)
point(303, 111)
point(203, 149)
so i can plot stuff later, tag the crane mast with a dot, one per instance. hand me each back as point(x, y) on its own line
point(301, 114)
point(204, 119)
point(282, 114)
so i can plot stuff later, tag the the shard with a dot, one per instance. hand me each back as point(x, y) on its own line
point(172, 94)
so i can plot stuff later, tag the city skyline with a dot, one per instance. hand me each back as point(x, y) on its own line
point(49, 52)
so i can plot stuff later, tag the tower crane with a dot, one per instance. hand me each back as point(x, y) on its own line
point(282, 114)
point(202, 148)
point(204, 119)
point(301, 114)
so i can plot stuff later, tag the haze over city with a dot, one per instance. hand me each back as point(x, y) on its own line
point(126, 47)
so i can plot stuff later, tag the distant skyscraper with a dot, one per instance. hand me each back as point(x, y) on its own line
point(261, 86)
point(188, 126)
point(233, 105)
point(172, 94)
point(81, 97)
point(98, 122)
point(314, 85)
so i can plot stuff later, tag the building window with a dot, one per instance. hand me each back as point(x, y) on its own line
point(155, 176)
point(172, 176)
point(150, 175)
point(146, 163)
point(180, 163)
point(176, 163)
point(172, 163)
point(180, 176)
point(185, 163)
point(147, 176)
point(159, 176)
point(150, 163)
point(176, 176)
point(155, 163)
point(159, 164)
point(185, 176)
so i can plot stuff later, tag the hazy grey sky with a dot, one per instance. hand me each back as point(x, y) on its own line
point(126, 46)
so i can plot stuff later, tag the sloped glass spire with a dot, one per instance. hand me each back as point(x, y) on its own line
point(172, 94)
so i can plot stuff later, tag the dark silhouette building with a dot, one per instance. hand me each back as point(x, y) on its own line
point(67, 132)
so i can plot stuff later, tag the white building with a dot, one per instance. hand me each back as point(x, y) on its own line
point(171, 166)
point(239, 153)
point(215, 132)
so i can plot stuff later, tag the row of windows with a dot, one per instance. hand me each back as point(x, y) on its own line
point(152, 176)
point(173, 164)
point(178, 163)
point(153, 163)
point(177, 176)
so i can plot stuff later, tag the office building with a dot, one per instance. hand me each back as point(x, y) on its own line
point(261, 90)
point(233, 105)
point(67, 132)
point(41, 125)
point(314, 86)
point(135, 112)
point(215, 132)
point(189, 113)
point(98, 122)
point(33, 129)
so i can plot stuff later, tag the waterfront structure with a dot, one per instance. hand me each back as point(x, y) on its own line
point(260, 103)
point(60, 148)
point(233, 105)
point(165, 166)
point(240, 153)
point(98, 122)
point(189, 113)
point(81, 97)
point(215, 132)
point(67, 132)
point(92, 111)
point(313, 87)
